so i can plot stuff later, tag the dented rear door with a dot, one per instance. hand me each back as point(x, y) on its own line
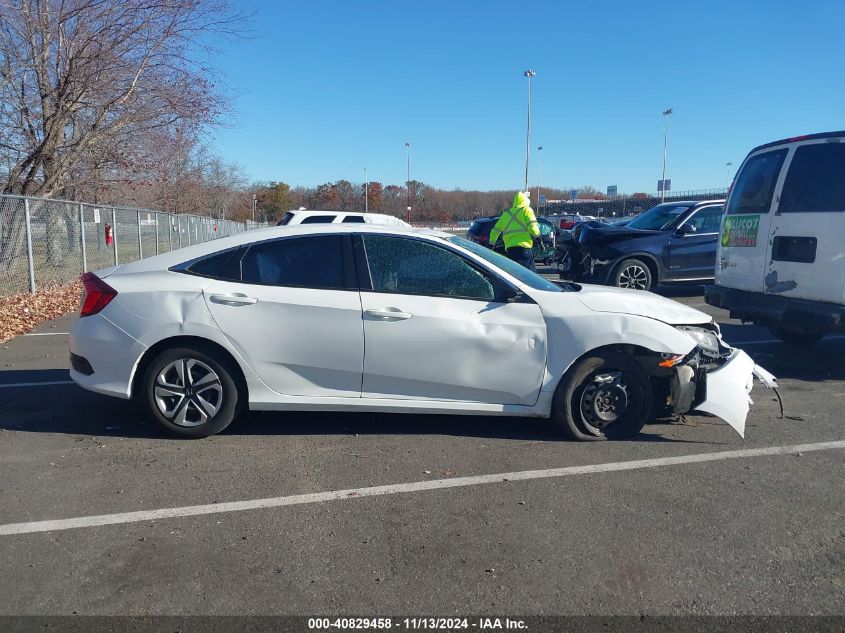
point(806, 256)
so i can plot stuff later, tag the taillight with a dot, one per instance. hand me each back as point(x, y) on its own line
point(96, 294)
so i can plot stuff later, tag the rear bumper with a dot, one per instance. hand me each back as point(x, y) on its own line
point(798, 314)
point(110, 352)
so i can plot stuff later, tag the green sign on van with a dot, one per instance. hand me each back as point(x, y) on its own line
point(740, 230)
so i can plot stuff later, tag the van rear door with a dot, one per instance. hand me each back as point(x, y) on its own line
point(744, 244)
point(807, 234)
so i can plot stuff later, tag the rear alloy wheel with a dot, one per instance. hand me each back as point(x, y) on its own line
point(190, 392)
point(634, 274)
point(798, 339)
point(603, 396)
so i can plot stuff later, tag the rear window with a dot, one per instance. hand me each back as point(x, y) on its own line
point(816, 180)
point(286, 219)
point(350, 219)
point(315, 261)
point(479, 227)
point(318, 219)
point(752, 192)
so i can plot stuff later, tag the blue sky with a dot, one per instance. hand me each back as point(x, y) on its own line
point(327, 88)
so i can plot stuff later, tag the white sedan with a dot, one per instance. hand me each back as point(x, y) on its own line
point(368, 318)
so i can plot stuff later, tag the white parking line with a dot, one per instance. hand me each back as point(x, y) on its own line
point(392, 489)
point(37, 384)
point(47, 334)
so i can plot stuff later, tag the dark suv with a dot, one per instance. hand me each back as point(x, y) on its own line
point(479, 232)
point(672, 242)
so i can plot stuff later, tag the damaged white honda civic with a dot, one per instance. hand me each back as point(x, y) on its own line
point(388, 319)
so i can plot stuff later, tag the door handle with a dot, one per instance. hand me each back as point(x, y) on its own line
point(233, 299)
point(388, 314)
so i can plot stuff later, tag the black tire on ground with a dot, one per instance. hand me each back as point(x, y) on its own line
point(191, 391)
point(632, 273)
point(606, 395)
point(798, 339)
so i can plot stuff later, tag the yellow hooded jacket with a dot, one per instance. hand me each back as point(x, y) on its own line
point(518, 225)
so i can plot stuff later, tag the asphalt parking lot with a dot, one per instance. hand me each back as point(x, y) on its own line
point(759, 532)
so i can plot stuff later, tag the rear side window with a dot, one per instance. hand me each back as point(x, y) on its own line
point(224, 265)
point(315, 261)
point(816, 180)
point(755, 185)
point(356, 219)
point(318, 219)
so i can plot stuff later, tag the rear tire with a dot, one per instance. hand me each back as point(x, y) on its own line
point(634, 274)
point(191, 392)
point(606, 395)
point(798, 339)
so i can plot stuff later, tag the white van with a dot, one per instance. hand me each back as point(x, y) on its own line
point(781, 257)
point(303, 216)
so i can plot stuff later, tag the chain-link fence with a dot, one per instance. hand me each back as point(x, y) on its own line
point(45, 241)
point(622, 206)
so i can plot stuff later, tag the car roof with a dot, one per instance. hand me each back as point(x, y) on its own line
point(178, 256)
point(693, 203)
point(795, 139)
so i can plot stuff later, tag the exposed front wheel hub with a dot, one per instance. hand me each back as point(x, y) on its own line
point(605, 400)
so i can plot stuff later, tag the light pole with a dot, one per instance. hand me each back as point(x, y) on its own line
point(254, 204)
point(529, 74)
point(539, 153)
point(408, 184)
point(666, 114)
point(366, 192)
point(728, 169)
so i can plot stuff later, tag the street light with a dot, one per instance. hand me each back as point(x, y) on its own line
point(728, 169)
point(539, 152)
point(254, 204)
point(529, 74)
point(366, 192)
point(666, 114)
point(408, 147)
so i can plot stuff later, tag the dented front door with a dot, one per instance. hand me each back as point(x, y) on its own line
point(744, 240)
point(441, 348)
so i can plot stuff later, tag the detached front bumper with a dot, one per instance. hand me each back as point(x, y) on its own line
point(728, 389)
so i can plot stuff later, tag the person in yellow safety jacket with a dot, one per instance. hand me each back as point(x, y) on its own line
point(518, 227)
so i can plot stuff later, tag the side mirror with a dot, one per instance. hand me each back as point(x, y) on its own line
point(512, 295)
point(686, 229)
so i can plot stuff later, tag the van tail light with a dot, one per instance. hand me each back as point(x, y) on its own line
point(96, 294)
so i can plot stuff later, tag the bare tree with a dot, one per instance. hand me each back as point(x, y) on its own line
point(82, 81)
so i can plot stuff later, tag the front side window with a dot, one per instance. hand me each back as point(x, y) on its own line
point(755, 185)
point(707, 220)
point(313, 261)
point(816, 180)
point(416, 267)
point(518, 271)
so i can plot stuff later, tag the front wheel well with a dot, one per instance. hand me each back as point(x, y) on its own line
point(194, 342)
point(644, 356)
point(648, 260)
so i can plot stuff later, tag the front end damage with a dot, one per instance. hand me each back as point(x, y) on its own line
point(713, 378)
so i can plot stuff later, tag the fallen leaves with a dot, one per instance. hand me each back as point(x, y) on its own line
point(20, 313)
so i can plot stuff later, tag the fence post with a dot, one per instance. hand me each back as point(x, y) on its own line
point(82, 238)
point(156, 232)
point(170, 230)
point(114, 234)
point(140, 248)
point(179, 229)
point(29, 258)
